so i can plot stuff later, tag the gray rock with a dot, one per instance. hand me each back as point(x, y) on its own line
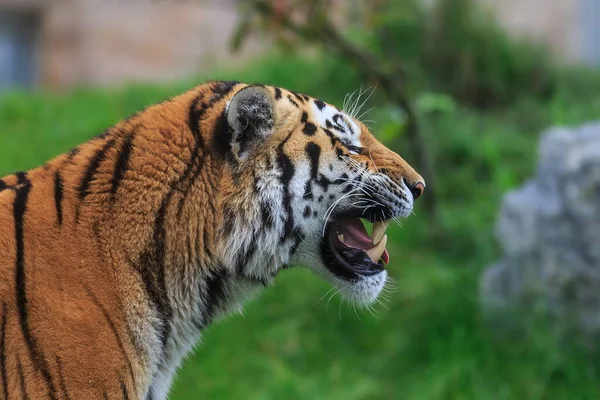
point(549, 231)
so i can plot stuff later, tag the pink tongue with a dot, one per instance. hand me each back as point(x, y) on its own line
point(355, 235)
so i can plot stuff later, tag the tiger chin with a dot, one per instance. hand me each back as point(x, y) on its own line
point(116, 255)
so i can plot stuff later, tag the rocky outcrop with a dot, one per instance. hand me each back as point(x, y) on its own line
point(549, 231)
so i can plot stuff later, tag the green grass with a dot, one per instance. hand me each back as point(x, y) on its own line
point(430, 340)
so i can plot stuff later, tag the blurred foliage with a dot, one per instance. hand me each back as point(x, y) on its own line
point(449, 46)
point(481, 99)
point(428, 340)
point(467, 54)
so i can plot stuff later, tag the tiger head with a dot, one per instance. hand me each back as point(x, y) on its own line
point(301, 176)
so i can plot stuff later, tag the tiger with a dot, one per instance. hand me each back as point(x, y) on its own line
point(117, 255)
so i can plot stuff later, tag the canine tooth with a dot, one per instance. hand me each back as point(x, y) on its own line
point(341, 237)
point(376, 252)
point(379, 229)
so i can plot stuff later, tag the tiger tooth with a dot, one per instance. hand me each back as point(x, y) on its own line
point(376, 252)
point(379, 229)
point(341, 237)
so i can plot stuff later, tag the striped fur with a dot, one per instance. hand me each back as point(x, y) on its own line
point(116, 255)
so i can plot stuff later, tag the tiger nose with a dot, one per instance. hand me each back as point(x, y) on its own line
point(416, 189)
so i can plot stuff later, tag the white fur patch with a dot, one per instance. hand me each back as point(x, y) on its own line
point(339, 123)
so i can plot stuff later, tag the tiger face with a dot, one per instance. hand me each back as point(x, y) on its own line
point(304, 175)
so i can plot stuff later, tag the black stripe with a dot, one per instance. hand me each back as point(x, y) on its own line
point(334, 139)
point(188, 178)
point(61, 379)
point(2, 185)
point(194, 167)
point(24, 394)
point(207, 248)
point(150, 394)
point(194, 115)
point(105, 394)
point(228, 220)
point(221, 140)
point(113, 328)
point(104, 134)
point(124, 389)
point(292, 101)
point(266, 216)
point(122, 163)
point(58, 196)
point(298, 238)
point(222, 89)
point(72, 153)
point(156, 296)
point(320, 104)
point(215, 294)
point(212, 183)
point(245, 257)
point(84, 186)
point(21, 179)
point(3, 353)
point(297, 96)
point(19, 209)
point(152, 269)
point(277, 93)
point(313, 152)
point(287, 172)
point(338, 120)
point(308, 195)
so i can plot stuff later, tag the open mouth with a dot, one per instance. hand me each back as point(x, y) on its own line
point(348, 250)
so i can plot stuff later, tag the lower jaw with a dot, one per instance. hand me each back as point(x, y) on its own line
point(362, 292)
point(364, 269)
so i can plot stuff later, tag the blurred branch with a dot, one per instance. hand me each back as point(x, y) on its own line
point(318, 28)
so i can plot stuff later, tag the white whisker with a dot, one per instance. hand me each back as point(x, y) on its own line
point(364, 113)
point(325, 295)
point(357, 109)
point(348, 101)
point(331, 297)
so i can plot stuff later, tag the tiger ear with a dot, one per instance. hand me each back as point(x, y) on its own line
point(251, 119)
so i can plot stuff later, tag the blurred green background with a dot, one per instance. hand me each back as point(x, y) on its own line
point(480, 99)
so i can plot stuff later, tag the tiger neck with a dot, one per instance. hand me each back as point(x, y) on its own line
point(201, 283)
point(169, 239)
